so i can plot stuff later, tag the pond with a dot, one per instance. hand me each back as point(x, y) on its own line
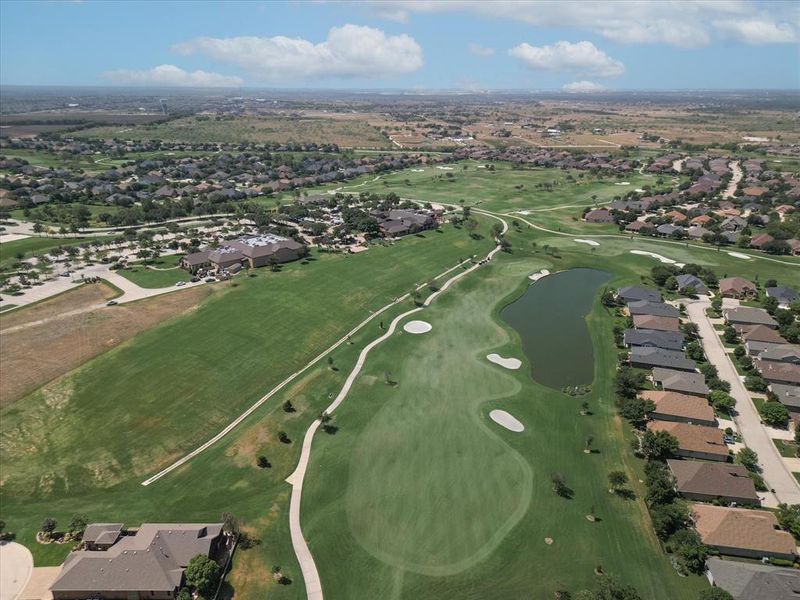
point(550, 318)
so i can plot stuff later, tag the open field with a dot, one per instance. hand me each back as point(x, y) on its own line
point(55, 336)
point(250, 129)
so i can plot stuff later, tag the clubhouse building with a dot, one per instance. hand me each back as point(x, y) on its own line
point(253, 251)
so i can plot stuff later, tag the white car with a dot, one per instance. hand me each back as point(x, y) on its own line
point(180, 284)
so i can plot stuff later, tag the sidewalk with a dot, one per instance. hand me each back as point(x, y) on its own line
point(755, 435)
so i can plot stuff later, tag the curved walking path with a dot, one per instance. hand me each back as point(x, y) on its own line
point(754, 433)
point(304, 557)
point(232, 425)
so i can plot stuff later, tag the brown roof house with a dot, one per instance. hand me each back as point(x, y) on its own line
point(147, 563)
point(656, 323)
point(737, 287)
point(747, 315)
point(742, 532)
point(600, 215)
point(695, 441)
point(683, 382)
point(673, 406)
point(779, 372)
point(706, 481)
point(760, 333)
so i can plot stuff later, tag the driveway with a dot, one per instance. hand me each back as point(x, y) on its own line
point(16, 564)
point(754, 434)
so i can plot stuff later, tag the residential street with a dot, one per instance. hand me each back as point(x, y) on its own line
point(748, 420)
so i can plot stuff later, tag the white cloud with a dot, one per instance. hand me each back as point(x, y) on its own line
point(581, 57)
point(482, 51)
point(583, 87)
point(349, 51)
point(170, 75)
point(757, 32)
point(683, 23)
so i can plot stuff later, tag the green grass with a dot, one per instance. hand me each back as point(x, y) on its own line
point(786, 448)
point(797, 476)
point(422, 492)
point(165, 273)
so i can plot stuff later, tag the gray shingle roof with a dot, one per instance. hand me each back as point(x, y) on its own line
point(752, 581)
point(633, 293)
point(657, 309)
point(669, 340)
point(659, 357)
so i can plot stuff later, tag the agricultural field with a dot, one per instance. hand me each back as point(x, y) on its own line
point(204, 129)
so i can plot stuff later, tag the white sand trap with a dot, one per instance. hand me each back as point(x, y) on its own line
point(417, 327)
point(622, 183)
point(506, 420)
point(508, 363)
point(739, 255)
point(539, 275)
point(417, 170)
point(445, 168)
point(590, 242)
point(663, 259)
point(523, 212)
point(639, 191)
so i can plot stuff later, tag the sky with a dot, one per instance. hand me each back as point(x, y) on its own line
point(576, 46)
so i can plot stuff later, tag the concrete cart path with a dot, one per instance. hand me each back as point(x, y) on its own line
point(16, 565)
point(755, 435)
point(302, 551)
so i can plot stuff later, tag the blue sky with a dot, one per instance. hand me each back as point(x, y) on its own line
point(404, 44)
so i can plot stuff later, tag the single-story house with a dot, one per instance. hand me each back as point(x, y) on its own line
point(639, 227)
point(673, 406)
point(600, 215)
point(753, 581)
point(779, 372)
point(146, 563)
point(742, 532)
point(788, 395)
point(737, 287)
point(669, 340)
point(667, 230)
point(680, 381)
point(687, 280)
point(196, 260)
point(707, 481)
point(645, 357)
point(784, 295)
point(657, 323)
point(785, 353)
point(760, 240)
point(656, 309)
point(754, 348)
point(635, 293)
point(747, 315)
point(759, 333)
point(695, 441)
point(101, 536)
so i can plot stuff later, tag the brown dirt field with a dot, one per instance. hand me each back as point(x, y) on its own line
point(51, 343)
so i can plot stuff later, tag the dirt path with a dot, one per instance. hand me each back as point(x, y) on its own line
point(734, 182)
point(304, 557)
point(748, 420)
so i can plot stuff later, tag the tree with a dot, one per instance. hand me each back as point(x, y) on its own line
point(721, 401)
point(788, 516)
point(284, 437)
point(714, 593)
point(262, 462)
point(330, 361)
point(560, 485)
point(288, 406)
point(658, 445)
point(729, 335)
point(748, 458)
point(202, 573)
point(617, 479)
point(770, 304)
point(48, 526)
point(693, 558)
point(668, 518)
point(755, 383)
point(184, 594)
point(627, 382)
point(774, 414)
point(77, 525)
point(695, 351)
point(230, 524)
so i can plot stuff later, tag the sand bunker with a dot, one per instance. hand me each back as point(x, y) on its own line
point(417, 327)
point(523, 212)
point(623, 183)
point(445, 168)
point(739, 255)
point(417, 170)
point(508, 363)
point(539, 275)
point(506, 420)
point(663, 259)
point(639, 191)
point(590, 242)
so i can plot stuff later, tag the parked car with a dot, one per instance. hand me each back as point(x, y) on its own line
point(210, 280)
point(195, 279)
point(180, 284)
point(111, 303)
